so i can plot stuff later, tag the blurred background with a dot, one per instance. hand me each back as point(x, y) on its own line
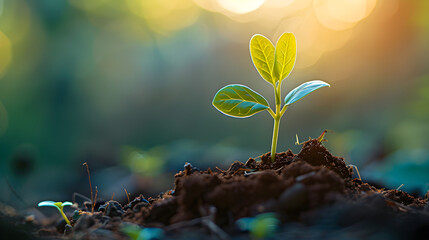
point(126, 86)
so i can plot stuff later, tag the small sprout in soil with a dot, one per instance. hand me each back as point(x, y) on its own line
point(261, 226)
point(58, 205)
point(297, 140)
point(136, 233)
point(357, 170)
point(320, 138)
point(274, 64)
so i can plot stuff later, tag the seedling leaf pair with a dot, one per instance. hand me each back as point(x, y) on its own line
point(274, 64)
point(58, 205)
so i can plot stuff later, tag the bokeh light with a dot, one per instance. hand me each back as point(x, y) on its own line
point(80, 79)
point(165, 16)
point(5, 53)
point(241, 6)
point(342, 14)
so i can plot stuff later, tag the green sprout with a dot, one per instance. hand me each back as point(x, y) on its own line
point(135, 232)
point(261, 226)
point(58, 205)
point(274, 64)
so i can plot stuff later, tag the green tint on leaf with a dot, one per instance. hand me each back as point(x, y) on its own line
point(262, 53)
point(285, 56)
point(239, 101)
point(303, 90)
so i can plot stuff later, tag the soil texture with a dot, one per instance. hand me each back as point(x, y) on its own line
point(310, 195)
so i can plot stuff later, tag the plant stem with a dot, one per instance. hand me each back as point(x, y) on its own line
point(276, 117)
point(65, 217)
point(275, 137)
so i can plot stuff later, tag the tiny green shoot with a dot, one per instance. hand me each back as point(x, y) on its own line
point(261, 226)
point(321, 137)
point(274, 64)
point(357, 170)
point(135, 232)
point(58, 205)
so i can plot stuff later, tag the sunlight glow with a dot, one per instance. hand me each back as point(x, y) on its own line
point(165, 16)
point(279, 3)
point(240, 6)
point(5, 53)
point(342, 14)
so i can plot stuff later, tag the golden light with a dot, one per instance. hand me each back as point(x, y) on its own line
point(342, 14)
point(279, 3)
point(240, 6)
point(164, 16)
point(5, 53)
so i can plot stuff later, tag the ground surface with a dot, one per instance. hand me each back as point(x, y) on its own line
point(309, 195)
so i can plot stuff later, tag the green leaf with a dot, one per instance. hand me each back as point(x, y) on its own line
point(262, 53)
point(66, 204)
point(47, 203)
point(285, 56)
point(303, 90)
point(239, 101)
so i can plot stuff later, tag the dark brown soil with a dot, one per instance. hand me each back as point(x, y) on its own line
point(312, 193)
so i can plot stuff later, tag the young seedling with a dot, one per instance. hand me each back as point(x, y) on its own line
point(135, 232)
point(274, 64)
point(58, 205)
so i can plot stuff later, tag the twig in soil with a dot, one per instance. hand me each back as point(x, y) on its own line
point(401, 207)
point(90, 186)
point(95, 199)
point(128, 196)
point(220, 170)
point(357, 171)
point(252, 173)
point(400, 187)
point(260, 156)
point(113, 195)
point(242, 169)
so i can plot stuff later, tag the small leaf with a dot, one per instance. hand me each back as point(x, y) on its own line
point(239, 101)
point(304, 89)
point(262, 53)
point(285, 56)
point(46, 203)
point(49, 204)
point(66, 204)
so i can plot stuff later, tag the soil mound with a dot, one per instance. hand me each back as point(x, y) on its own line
point(311, 195)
